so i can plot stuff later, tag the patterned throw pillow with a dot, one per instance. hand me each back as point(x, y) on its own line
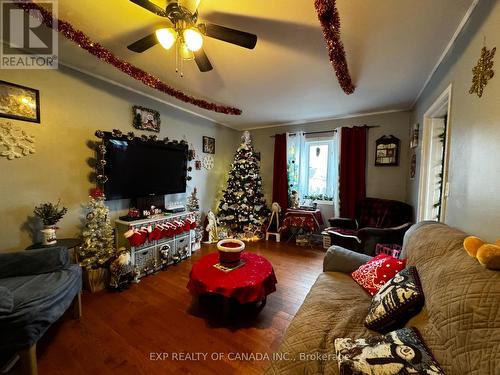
point(396, 302)
point(399, 352)
point(377, 271)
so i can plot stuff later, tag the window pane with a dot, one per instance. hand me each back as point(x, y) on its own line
point(318, 169)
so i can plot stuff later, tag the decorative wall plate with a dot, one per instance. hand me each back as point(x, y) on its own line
point(15, 142)
point(208, 162)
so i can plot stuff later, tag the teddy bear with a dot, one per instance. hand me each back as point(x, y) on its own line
point(486, 253)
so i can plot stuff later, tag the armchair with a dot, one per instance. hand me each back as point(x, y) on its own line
point(36, 288)
point(377, 221)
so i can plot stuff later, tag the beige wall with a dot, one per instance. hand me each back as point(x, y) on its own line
point(73, 106)
point(474, 171)
point(382, 182)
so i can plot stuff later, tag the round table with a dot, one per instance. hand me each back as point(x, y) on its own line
point(252, 282)
point(68, 243)
point(71, 244)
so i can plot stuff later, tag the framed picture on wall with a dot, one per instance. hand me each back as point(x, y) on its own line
point(387, 151)
point(413, 164)
point(146, 119)
point(208, 145)
point(414, 136)
point(19, 102)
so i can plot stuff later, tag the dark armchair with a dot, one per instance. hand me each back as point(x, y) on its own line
point(377, 221)
point(36, 288)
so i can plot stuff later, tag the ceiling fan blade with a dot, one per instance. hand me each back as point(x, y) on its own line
point(240, 38)
point(148, 5)
point(143, 44)
point(191, 5)
point(202, 61)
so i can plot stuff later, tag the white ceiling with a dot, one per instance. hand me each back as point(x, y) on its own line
point(392, 47)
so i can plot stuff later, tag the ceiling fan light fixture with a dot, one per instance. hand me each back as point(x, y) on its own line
point(185, 52)
point(192, 39)
point(166, 37)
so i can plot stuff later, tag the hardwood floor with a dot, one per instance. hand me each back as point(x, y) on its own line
point(120, 331)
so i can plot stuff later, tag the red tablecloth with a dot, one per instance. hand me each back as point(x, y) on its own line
point(249, 283)
point(310, 221)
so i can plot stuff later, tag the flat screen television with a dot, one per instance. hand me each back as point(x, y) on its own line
point(137, 168)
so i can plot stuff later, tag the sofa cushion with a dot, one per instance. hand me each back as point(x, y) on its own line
point(6, 301)
point(335, 307)
point(32, 262)
point(399, 352)
point(338, 259)
point(39, 300)
point(396, 302)
point(372, 275)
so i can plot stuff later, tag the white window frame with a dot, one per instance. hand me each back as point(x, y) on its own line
point(329, 177)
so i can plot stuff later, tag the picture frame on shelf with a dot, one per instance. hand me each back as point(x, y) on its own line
point(208, 145)
point(19, 102)
point(146, 119)
point(387, 151)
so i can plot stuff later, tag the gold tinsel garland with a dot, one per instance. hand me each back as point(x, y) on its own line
point(83, 41)
point(330, 22)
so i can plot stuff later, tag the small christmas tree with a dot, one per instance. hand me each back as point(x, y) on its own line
point(98, 235)
point(192, 202)
point(243, 207)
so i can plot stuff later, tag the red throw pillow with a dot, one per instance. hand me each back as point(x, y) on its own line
point(377, 271)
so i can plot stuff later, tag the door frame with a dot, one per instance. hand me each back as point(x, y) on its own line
point(443, 101)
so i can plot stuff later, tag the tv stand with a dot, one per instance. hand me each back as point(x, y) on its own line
point(155, 255)
point(145, 203)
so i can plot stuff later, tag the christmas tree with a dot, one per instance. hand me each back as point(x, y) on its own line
point(243, 207)
point(98, 235)
point(192, 202)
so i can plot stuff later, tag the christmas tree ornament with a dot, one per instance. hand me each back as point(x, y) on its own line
point(483, 71)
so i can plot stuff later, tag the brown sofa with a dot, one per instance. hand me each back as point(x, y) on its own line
point(460, 321)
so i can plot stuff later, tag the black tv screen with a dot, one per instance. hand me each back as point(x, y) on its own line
point(136, 168)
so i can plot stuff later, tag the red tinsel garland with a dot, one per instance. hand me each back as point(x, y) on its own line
point(330, 22)
point(106, 55)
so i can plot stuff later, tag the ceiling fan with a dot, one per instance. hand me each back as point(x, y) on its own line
point(184, 31)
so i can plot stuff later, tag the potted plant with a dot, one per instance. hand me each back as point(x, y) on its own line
point(50, 214)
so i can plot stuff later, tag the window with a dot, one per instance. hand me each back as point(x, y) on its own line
point(313, 166)
point(319, 163)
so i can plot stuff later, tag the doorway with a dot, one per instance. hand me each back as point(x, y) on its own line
point(433, 185)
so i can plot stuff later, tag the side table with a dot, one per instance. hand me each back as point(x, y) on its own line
point(70, 243)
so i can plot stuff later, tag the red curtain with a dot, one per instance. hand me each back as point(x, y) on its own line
point(280, 176)
point(352, 184)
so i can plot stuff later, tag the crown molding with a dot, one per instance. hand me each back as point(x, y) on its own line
point(302, 122)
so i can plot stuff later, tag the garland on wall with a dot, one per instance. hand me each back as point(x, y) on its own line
point(330, 22)
point(83, 41)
